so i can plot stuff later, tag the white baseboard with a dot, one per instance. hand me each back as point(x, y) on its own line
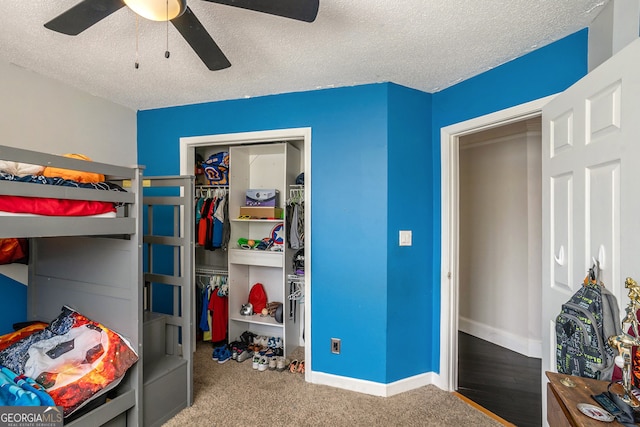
point(519, 344)
point(374, 388)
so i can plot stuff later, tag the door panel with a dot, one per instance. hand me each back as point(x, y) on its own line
point(590, 196)
point(603, 221)
point(603, 113)
point(560, 231)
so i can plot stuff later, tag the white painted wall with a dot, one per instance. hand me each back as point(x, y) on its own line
point(41, 114)
point(500, 214)
point(617, 25)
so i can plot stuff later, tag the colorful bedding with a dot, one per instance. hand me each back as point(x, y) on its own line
point(56, 207)
point(73, 175)
point(74, 358)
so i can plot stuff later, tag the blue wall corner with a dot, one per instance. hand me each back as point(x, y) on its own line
point(410, 207)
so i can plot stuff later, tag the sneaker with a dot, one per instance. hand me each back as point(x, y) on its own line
point(272, 342)
point(216, 352)
point(247, 337)
point(262, 340)
point(244, 355)
point(273, 363)
point(234, 349)
point(263, 364)
point(281, 363)
point(224, 355)
point(256, 360)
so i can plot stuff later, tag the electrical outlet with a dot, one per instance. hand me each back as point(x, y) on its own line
point(335, 345)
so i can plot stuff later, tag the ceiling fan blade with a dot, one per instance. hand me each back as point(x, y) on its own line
point(83, 15)
point(200, 41)
point(302, 10)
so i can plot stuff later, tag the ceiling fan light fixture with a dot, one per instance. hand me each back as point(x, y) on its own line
point(158, 10)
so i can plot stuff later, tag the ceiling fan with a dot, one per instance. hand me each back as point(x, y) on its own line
point(89, 12)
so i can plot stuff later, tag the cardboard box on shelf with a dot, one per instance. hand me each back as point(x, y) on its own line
point(261, 212)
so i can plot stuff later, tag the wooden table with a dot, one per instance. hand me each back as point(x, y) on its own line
point(562, 401)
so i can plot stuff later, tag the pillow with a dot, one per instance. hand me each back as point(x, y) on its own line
point(19, 168)
point(75, 359)
point(13, 337)
point(73, 175)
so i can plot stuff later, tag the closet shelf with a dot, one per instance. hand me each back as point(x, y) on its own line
point(255, 319)
point(256, 257)
point(256, 220)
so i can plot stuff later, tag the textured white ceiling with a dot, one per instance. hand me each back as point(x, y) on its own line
point(423, 44)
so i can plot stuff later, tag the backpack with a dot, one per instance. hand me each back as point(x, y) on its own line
point(583, 328)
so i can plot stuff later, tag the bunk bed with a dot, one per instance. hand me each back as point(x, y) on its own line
point(91, 264)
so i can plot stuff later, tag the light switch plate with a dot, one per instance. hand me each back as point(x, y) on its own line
point(405, 237)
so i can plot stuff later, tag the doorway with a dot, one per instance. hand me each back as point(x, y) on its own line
point(499, 229)
point(299, 137)
point(450, 267)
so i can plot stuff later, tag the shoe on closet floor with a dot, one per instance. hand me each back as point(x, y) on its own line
point(224, 355)
point(243, 354)
point(281, 363)
point(216, 352)
point(263, 364)
point(256, 360)
point(247, 337)
point(273, 363)
point(234, 346)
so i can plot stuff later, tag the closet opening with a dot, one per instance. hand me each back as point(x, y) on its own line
point(263, 243)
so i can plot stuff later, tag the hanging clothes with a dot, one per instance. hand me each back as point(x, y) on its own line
point(219, 308)
point(212, 310)
point(295, 218)
point(212, 224)
point(218, 222)
point(204, 222)
point(204, 321)
point(198, 210)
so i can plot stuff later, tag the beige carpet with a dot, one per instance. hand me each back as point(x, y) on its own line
point(234, 394)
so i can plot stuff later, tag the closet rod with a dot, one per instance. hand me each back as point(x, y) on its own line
point(295, 278)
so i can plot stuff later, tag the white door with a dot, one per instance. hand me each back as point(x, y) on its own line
point(591, 187)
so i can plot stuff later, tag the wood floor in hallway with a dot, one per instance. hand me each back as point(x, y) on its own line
point(500, 380)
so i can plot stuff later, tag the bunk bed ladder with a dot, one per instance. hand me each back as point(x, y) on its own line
point(169, 305)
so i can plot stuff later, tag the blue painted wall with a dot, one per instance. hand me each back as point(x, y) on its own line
point(410, 295)
point(13, 304)
point(350, 188)
point(376, 170)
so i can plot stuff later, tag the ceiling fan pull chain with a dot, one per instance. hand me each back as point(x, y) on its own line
point(137, 64)
point(166, 52)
